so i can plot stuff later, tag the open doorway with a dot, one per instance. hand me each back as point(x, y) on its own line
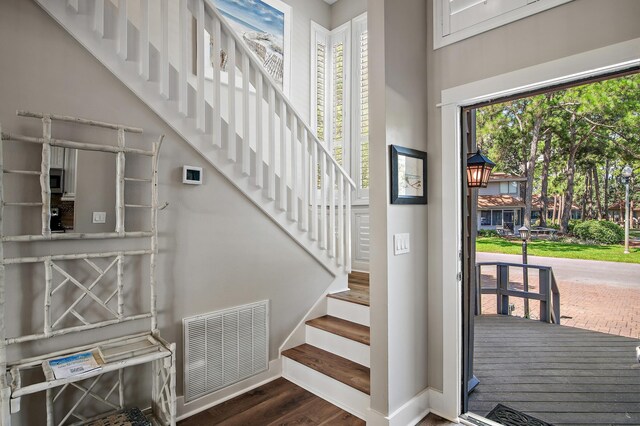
point(547, 336)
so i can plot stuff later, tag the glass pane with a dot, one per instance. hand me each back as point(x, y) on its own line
point(496, 217)
point(485, 218)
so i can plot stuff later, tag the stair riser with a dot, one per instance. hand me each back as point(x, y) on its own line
point(339, 394)
point(341, 346)
point(348, 311)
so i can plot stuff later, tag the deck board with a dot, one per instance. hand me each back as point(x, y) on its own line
point(559, 374)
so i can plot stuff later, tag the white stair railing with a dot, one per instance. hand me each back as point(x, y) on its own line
point(277, 148)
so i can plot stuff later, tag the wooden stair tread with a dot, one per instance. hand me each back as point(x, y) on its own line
point(334, 366)
point(354, 296)
point(347, 329)
point(358, 278)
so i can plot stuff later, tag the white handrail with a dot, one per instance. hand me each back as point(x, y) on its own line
point(211, 8)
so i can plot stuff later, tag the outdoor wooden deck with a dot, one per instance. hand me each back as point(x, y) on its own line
point(559, 374)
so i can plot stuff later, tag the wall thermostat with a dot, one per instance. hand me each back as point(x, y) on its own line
point(192, 175)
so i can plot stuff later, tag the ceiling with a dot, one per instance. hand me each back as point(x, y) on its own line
point(331, 1)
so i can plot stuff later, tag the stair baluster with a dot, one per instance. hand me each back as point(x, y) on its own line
point(231, 89)
point(304, 213)
point(215, 59)
point(200, 103)
point(98, 17)
point(246, 132)
point(272, 143)
point(303, 178)
point(294, 168)
point(143, 55)
point(259, 171)
point(164, 49)
point(185, 36)
point(123, 32)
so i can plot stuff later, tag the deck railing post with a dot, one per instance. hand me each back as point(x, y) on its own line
point(478, 290)
point(556, 299)
point(545, 290)
point(502, 288)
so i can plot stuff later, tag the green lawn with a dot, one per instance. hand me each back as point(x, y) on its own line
point(559, 249)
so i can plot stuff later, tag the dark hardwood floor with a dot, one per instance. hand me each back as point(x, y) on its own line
point(279, 402)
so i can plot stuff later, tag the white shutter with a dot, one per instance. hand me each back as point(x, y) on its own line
point(360, 134)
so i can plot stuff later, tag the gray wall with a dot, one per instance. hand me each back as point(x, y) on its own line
point(398, 37)
point(576, 27)
point(217, 249)
point(345, 10)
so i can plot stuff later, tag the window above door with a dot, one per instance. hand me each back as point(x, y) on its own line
point(456, 20)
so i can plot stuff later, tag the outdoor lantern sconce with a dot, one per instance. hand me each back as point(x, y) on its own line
point(478, 170)
point(525, 233)
point(626, 173)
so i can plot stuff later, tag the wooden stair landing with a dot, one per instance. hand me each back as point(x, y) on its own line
point(334, 366)
point(347, 329)
point(358, 297)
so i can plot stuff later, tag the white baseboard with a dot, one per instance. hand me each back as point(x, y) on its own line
point(439, 406)
point(194, 407)
point(410, 413)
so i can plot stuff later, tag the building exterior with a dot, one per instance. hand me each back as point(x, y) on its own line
point(616, 213)
point(501, 205)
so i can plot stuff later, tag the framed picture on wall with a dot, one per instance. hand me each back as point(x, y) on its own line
point(408, 176)
point(265, 28)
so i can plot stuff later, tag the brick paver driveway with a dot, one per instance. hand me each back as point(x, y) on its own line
point(598, 296)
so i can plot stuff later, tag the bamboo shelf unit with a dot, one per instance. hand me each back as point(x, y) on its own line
point(114, 355)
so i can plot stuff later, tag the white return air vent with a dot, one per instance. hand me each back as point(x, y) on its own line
point(224, 347)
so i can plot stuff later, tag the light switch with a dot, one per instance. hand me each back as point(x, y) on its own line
point(401, 244)
point(99, 217)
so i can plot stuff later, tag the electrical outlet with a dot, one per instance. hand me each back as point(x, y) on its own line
point(99, 217)
point(401, 244)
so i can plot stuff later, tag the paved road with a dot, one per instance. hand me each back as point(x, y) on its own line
point(578, 271)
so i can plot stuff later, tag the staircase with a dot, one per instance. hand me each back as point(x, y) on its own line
point(252, 134)
point(334, 362)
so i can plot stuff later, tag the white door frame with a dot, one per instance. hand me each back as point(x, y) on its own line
point(601, 61)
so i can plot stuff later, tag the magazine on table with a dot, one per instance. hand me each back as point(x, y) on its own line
point(71, 365)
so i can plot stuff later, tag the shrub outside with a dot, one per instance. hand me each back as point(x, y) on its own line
point(600, 231)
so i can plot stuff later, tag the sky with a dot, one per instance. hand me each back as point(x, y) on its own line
point(255, 13)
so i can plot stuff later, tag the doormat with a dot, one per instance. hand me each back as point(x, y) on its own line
point(126, 417)
point(510, 417)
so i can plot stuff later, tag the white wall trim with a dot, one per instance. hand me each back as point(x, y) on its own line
point(185, 410)
point(595, 62)
point(411, 412)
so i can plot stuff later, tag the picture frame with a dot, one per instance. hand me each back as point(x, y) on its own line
point(408, 176)
point(255, 21)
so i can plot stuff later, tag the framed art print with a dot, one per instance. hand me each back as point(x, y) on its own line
point(408, 176)
point(265, 28)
